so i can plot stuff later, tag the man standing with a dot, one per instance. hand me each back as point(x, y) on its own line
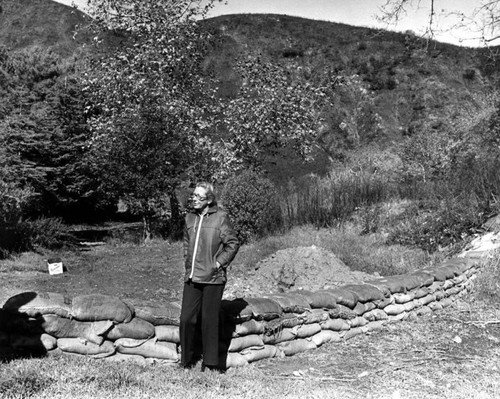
point(210, 244)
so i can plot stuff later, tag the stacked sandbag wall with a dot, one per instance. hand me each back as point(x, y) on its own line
point(99, 326)
point(253, 328)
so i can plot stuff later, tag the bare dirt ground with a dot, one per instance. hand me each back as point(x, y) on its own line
point(454, 350)
point(308, 268)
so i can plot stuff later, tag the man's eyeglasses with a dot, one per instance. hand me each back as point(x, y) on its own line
point(198, 197)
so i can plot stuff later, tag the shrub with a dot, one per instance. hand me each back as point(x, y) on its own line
point(469, 74)
point(252, 203)
point(488, 281)
point(330, 200)
point(437, 223)
point(50, 233)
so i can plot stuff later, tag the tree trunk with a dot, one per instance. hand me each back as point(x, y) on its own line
point(176, 219)
point(146, 220)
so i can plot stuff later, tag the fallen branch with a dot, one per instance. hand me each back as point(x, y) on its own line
point(292, 377)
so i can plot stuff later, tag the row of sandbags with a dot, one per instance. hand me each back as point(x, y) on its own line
point(253, 328)
point(91, 325)
point(286, 324)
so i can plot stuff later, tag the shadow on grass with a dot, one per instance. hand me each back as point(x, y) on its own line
point(20, 335)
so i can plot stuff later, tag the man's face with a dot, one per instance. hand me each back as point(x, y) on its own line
point(200, 199)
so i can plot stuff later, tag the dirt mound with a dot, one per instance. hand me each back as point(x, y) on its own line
point(309, 268)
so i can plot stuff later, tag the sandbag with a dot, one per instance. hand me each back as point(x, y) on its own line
point(421, 292)
point(459, 265)
point(286, 334)
point(352, 333)
point(34, 304)
point(325, 336)
point(315, 316)
point(291, 303)
point(307, 330)
point(358, 322)
point(167, 333)
point(360, 308)
point(344, 297)
point(291, 348)
point(400, 283)
point(436, 286)
point(459, 279)
point(248, 341)
point(441, 273)
point(385, 302)
point(249, 327)
point(448, 284)
point(235, 359)
point(273, 326)
point(288, 320)
point(61, 327)
point(98, 307)
point(389, 285)
point(335, 325)
point(365, 292)
point(136, 328)
point(439, 295)
point(401, 298)
point(264, 308)
point(81, 346)
point(243, 309)
point(323, 299)
point(394, 309)
point(291, 320)
point(375, 315)
point(149, 348)
point(253, 355)
point(427, 299)
point(168, 313)
point(236, 310)
point(454, 290)
point(423, 278)
point(40, 343)
point(409, 306)
point(343, 312)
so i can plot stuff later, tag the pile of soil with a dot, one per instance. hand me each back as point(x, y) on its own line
point(306, 268)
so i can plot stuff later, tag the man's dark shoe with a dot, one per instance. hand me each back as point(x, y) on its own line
point(188, 366)
point(205, 367)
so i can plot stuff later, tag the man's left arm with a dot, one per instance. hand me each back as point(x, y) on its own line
point(230, 242)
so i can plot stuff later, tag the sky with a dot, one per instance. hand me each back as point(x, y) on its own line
point(358, 13)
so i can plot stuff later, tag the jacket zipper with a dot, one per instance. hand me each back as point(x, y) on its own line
point(196, 241)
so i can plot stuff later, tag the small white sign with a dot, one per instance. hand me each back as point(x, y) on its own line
point(55, 266)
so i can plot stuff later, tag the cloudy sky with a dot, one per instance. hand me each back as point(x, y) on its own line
point(356, 12)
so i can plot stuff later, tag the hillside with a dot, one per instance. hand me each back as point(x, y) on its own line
point(411, 85)
point(42, 23)
point(415, 84)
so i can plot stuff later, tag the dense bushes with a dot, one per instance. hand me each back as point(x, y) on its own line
point(253, 205)
point(29, 235)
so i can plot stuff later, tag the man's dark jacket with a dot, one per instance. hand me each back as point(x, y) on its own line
point(209, 239)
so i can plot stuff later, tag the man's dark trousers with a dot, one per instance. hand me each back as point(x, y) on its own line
point(200, 301)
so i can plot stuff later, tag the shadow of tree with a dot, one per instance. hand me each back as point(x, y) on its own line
point(20, 334)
